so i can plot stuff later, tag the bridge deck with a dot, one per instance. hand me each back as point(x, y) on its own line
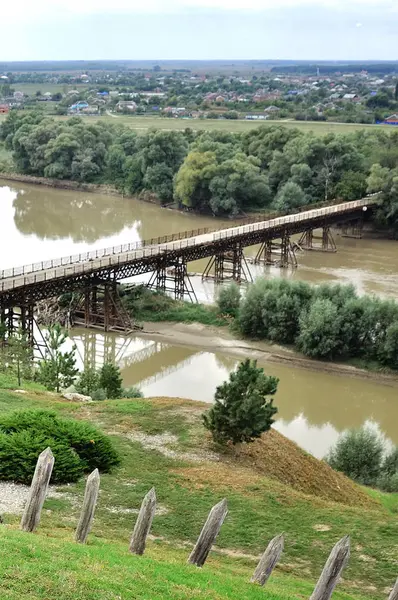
point(92, 262)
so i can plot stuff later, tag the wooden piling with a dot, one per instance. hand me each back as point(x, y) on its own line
point(332, 570)
point(143, 523)
point(88, 508)
point(38, 491)
point(394, 592)
point(269, 560)
point(208, 534)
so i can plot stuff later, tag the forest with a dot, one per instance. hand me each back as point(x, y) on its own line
point(219, 173)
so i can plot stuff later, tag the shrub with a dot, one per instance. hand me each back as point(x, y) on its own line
point(78, 447)
point(132, 392)
point(388, 483)
point(111, 380)
point(358, 454)
point(99, 394)
point(390, 463)
point(228, 299)
point(242, 409)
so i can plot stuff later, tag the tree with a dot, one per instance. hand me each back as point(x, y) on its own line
point(351, 186)
point(320, 328)
point(89, 381)
point(243, 408)
point(58, 370)
point(290, 196)
point(229, 299)
point(358, 454)
point(111, 381)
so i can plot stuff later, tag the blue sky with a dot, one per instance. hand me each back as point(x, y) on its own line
point(199, 29)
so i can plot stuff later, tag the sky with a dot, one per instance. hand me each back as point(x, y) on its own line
point(199, 29)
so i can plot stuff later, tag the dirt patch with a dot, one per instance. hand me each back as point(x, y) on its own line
point(320, 527)
point(165, 444)
point(13, 497)
point(220, 476)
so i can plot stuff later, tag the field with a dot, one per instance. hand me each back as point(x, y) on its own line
point(142, 124)
point(31, 88)
point(272, 487)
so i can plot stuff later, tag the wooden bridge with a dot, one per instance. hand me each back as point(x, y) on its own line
point(94, 275)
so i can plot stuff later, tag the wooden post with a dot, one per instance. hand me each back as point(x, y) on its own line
point(88, 508)
point(332, 570)
point(208, 534)
point(38, 491)
point(143, 523)
point(268, 560)
point(394, 592)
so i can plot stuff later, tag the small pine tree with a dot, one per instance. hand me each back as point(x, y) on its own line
point(58, 370)
point(243, 409)
point(110, 380)
point(17, 356)
point(89, 382)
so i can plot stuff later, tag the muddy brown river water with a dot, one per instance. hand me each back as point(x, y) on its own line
point(314, 407)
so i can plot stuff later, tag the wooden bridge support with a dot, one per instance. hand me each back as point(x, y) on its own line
point(99, 307)
point(352, 229)
point(21, 319)
point(306, 241)
point(173, 278)
point(228, 264)
point(280, 254)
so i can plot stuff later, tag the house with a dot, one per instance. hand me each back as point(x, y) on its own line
point(126, 106)
point(220, 99)
point(78, 107)
point(391, 120)
point(4, 109)
point(351, 98)
point(271, 109)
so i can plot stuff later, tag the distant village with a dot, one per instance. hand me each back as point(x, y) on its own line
point(358, 97)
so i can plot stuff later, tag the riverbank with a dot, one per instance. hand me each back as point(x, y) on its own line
point(221, 339)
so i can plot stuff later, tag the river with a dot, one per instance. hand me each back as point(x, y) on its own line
point(314, 407)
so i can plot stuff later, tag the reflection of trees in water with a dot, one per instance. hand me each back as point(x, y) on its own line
point(83, 217)
point(223, 361)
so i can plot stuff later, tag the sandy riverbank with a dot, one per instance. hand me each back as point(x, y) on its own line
point(212, 339)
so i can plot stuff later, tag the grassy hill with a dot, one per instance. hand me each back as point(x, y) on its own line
point(272, 487)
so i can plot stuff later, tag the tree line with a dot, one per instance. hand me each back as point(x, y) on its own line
point(329, 322)
point(269, 168)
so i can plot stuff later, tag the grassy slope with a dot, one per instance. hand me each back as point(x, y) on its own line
point(142, 124)
point(260, 507)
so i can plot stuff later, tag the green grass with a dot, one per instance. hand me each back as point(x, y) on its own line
point(44, 568)
point(142, 124)
point(259, 508)
point(31, 88)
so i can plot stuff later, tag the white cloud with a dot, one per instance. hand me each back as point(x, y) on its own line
point(41, 8)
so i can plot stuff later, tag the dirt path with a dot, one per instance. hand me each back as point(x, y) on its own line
point(213, 339)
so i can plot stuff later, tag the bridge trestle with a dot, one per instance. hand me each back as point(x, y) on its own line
point(352, 229)
point(277, 253)
point(172, 277)
point(306, 241)
point(21, 320)
point(99, 307)
point(227, 264)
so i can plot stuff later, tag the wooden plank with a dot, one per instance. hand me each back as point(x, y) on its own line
point(269, 560)
point(332, 570)
point(394, 592)
point(208, 534)
point(143, 523)
point(88, 508)
point(38, 491)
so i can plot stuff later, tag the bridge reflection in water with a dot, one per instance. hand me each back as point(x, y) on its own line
point(313, 406)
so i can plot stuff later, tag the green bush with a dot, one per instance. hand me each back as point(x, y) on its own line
point(388, 483)
point(78, 447)
point(99, 394)
point(358, 454)
point(228, 299)
point(132, 392)
point(88, 382)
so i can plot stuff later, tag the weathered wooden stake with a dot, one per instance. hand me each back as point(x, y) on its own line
point(88, 508)
point(332, 570)
point(38, 491)
point(143, 523)
point(394, 592)
point(268, 560)
point(208, 534)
